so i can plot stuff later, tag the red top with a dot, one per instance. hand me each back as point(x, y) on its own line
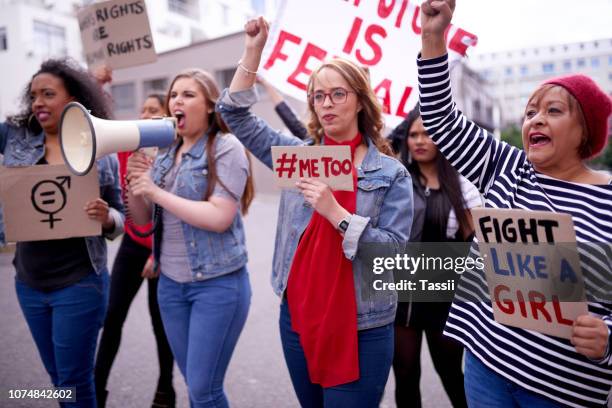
point(321, 295)
point(129, 224)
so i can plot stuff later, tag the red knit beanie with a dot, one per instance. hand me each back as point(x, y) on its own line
point(595, 104)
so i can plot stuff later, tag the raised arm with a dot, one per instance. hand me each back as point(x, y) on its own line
point(472, 151)
point(235, 103)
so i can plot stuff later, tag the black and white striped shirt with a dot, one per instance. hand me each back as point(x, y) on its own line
point(543, 364)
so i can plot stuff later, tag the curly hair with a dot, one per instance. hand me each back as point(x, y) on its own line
point(79, 84)
point(369, 119)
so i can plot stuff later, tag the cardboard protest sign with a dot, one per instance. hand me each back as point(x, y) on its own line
point(116, 33)
point(379, 34)
point(532, 267)
point(46, 202)
point(329, 164)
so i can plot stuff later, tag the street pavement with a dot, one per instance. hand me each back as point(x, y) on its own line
point(257, 375)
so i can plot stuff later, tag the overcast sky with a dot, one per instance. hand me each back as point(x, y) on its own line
point(514, 24)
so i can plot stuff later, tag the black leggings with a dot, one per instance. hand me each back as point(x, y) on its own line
point(446, 354)
point(125, 282)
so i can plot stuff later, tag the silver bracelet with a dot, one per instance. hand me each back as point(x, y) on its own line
point(245, 69)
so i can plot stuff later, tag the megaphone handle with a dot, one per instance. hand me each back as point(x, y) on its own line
point(156, 213)
point(128, 215)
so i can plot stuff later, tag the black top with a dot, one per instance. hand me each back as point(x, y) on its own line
point(52, 264)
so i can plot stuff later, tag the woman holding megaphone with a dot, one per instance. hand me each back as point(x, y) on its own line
point(197, 190)
point(337, 333)
point(565, 123)
point(62, 285)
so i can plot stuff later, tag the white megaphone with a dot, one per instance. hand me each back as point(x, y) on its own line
point(85, 138)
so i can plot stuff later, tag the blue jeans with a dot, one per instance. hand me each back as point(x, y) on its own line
point(65, 324)
point(203, 321)
point(485, 388)
point(375, 358)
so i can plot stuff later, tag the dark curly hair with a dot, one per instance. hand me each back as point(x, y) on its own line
point(79, 84)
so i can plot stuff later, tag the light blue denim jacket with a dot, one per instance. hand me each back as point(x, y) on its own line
point(210, 253)
point(21, 147)
point(384, 208)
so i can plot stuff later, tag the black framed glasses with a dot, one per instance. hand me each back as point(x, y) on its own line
point(337, 96)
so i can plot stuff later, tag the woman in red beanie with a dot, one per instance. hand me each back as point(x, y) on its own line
point(565, 123)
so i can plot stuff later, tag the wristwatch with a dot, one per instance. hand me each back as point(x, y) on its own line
point(344, 224)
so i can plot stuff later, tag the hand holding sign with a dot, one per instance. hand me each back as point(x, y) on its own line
point(97, 210)
point(590, 336)
point(320, 197)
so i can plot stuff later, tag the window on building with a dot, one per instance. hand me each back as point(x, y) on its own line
point(225, 11)
point(49, 40)
point(580, 63)
point(3, 39)
point(489, 115)
point(508, 71)
point(476, 108)
point(565, 48)
point(610, 60)
point(524, 70)
point(582, 46)
point(157, 85)
point(548, 67)
point(567, 65)
point(259, 6)
point(187, 8)
point(596, 44)
point(124, 97)
point(595, 62)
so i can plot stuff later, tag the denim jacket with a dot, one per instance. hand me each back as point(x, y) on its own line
point(210, 253)
point(21, 148)
point(384, 208)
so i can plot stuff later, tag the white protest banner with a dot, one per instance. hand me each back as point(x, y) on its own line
point(532, 267)
point(116, 33)
point(329, 164)
point(46, 202)
point(382, 35)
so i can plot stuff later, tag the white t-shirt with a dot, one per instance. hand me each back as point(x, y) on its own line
point(472, 199)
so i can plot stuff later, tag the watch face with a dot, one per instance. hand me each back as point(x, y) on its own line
point(343, 226)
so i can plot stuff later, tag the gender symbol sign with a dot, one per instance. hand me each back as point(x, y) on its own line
point(46, 202)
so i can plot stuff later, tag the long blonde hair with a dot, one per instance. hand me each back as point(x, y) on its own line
point(211, 93)
point(369, 119)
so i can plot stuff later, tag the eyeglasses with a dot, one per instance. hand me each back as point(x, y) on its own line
point(337, 96)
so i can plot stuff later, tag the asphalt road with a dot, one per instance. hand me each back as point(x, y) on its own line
point(257, 375)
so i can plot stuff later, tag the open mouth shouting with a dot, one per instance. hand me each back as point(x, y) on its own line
point(538, 139)
point(180, 118)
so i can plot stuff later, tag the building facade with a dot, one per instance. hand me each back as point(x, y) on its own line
point(34, 30)
point(514, 75)
point(30, 32)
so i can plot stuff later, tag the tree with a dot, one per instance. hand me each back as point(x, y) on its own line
point(513, 136)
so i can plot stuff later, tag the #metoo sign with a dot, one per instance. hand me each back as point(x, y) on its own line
point(532, 267)
point(116, 33)
point(329, 164)
point(383, 35)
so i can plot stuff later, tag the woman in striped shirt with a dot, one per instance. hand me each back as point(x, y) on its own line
point(566, 122)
